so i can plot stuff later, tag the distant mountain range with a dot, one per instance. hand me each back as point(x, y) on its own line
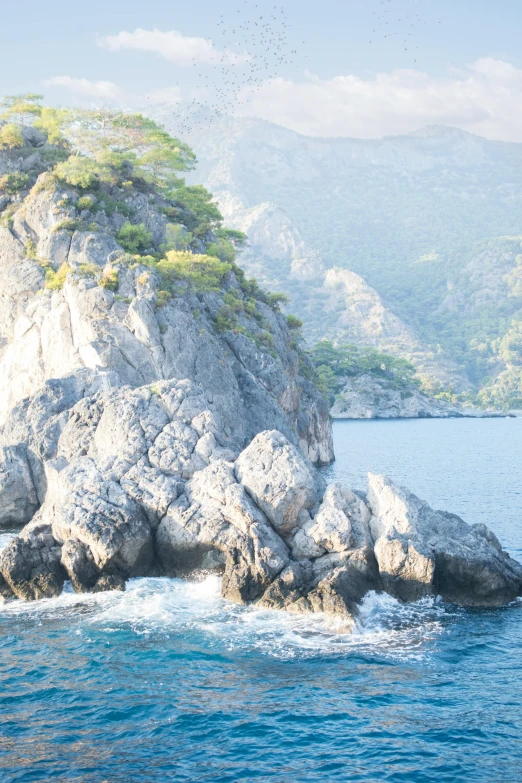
point(409, 243)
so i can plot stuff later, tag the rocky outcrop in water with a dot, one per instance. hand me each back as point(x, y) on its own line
point(146, 481)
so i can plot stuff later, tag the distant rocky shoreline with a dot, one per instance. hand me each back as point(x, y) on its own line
point(368, 397)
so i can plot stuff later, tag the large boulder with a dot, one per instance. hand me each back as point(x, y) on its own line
point(278, 478)
point(215, 523)
point(421, 551)
point(98, 513)
point(341, 522)
point(31, 566)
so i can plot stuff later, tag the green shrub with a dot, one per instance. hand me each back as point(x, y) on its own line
point(176, 238)
point(237, 238)
point(222, 249)
point(52, 155)
point(233, 302)
point(85, 202)
point(10, 137)
point(163, 298)
point(81, 172)
point(14, 182)
point(203, 273)
point(46, 183)
point(88, 270)
point(75, 224)
point(30, 249)
point(6, 218)
point(265, 342)
point(251, 307)
point(54, 281)
point(133, 238)
point(274, 300)
point(109, 280)
point(225, 321)
point(293, 322)
point(110, 205)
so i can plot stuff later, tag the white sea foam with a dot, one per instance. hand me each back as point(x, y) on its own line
point(195, 611)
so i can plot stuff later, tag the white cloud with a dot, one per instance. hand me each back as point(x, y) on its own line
point(84, 88)
point(85, 91)
point(172, 45)
point(485, 98)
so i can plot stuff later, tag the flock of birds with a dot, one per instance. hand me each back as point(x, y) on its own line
point(254, 46)
point(388, 24)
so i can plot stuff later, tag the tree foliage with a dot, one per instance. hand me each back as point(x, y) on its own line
point(91, 148)
point(201, 272)
point(10, 136)
point(134, 239)
point(203, 213)
point(511, 345)
point(335, 363)
point(22, 108)
point(14, 182)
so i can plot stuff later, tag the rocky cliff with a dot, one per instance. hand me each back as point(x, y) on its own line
point(219, 335)
point(155, 420)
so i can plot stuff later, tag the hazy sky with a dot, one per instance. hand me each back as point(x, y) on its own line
point(364, 68)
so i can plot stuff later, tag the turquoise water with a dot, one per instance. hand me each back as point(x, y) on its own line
point(167, 682)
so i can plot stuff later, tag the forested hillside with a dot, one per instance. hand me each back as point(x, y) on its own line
point(431, 223)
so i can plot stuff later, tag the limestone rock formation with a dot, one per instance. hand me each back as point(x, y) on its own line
point(19, 500)
point(421, 551)
point(138, 481)
point(244, 357)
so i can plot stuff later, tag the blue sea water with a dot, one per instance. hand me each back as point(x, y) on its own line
point(167, 682)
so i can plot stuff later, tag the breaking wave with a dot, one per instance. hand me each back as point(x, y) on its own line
point(166, 607)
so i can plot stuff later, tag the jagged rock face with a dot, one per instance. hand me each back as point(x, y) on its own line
point(53, 334)
point(19, 499)
point(30, 566)
point(421, 551)
point(143, 481)
point(277, 479)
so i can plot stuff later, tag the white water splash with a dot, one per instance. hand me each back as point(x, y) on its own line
point(196, 613)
